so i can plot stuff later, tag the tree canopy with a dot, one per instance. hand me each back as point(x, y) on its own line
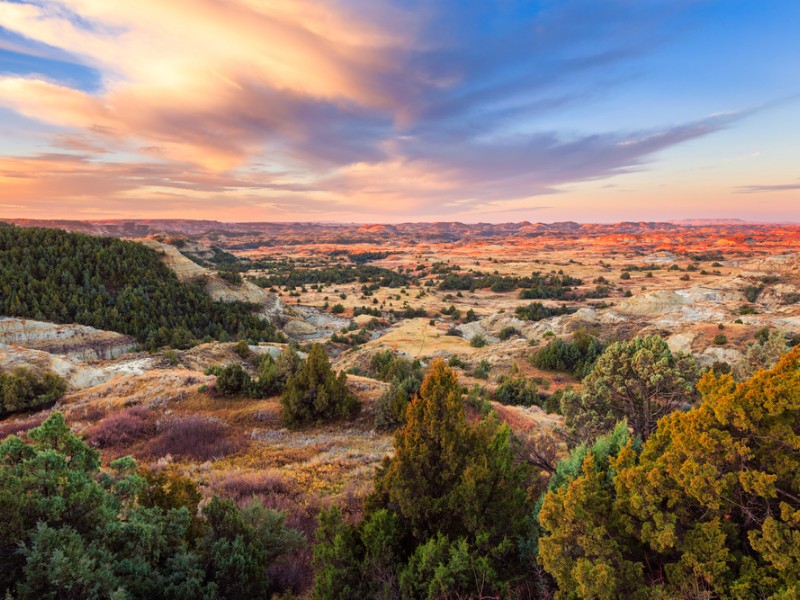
point(316, 393)
point(24, 389)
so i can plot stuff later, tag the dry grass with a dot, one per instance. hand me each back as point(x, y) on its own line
point(244, 485)
point(194, 437)
point(417, 338)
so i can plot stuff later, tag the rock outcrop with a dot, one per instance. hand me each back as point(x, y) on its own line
point(74, 341)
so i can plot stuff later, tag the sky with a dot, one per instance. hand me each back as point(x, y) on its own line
point(405, 110)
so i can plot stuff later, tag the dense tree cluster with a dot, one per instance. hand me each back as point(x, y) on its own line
point(72, 531)
point(537, 286)
point(361, 257)
point(219, 258)
point(24, 389)
point(293, 277)
point(709, 507)
point(553, 286)
point(536, 311)
point(311, 392)
point(699, 509)
point(53, 275)
point(270, 378)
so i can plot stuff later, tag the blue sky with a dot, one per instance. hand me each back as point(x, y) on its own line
point(397, 111)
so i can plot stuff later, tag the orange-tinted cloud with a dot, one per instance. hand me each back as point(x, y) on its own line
point(335, 108)
point(197, 79)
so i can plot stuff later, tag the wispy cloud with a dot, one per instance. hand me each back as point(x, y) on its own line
point(759, 189)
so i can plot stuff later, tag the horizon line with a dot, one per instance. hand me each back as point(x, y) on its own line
point(682, 221)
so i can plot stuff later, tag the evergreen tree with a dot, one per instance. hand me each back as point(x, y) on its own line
point(113, 284)
point(316, 393)
point(640, 380)
point(448, 512)
point(70, 530)
point(23, 389)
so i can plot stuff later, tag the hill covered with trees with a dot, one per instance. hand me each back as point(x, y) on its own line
point(53, 275)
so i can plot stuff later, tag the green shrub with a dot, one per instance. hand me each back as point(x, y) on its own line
point(478, 399)
point(508, 332)
point(73, 531)
point(516, 389)
point(478, 341)
point(390, 411)
point(405, 377)
point(242, 349)
point(575, 357)
point(752, 292)
point(24, 389)
point(171, 357)
point(482, 370)
point(232, 277)
point(456, 362)
point(536, 311)
point(232, 380)
point(552, 404)
point(268, 381)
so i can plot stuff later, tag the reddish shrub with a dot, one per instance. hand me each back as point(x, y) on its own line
point(120, 430)
point(89, 413)
point(195, 438)
point(17, 427)
point(243, 486)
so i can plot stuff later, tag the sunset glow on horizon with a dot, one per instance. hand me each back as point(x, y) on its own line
point(356, 110)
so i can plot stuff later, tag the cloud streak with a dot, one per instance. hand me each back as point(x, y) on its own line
point(759, 189)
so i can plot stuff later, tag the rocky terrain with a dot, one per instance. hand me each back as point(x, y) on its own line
point(73, 341)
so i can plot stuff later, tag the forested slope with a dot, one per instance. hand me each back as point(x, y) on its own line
point(53, 275)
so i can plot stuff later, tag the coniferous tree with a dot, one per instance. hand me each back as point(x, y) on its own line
point(448, 513)
point(640, 380)
point(123, 286)
point(70, 530)
point(316, 393)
